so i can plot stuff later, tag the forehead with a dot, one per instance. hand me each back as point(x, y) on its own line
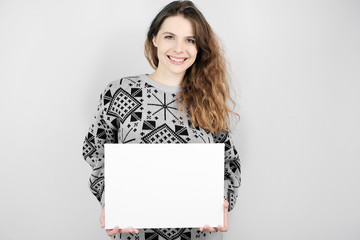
point(178, 25)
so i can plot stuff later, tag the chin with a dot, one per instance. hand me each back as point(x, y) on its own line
point(178, 70)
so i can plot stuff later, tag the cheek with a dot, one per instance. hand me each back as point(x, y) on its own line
point(164, 44)
point(162, 49)
point(194, 52)
point(160, 53)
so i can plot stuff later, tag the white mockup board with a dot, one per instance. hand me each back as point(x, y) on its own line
point(164, 185)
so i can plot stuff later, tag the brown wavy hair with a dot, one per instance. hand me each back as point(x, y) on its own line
point(205, 87)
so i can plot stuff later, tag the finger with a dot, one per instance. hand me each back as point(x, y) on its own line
point(212, 229)
point(129, 230)
point(225, 227)
point(204, 228)
point(226, 206)
point(102, 218)
point(226, 203)
point(112, 232)
point(222, 229)
point(208, 228)
point(126, 230)
point(102, 222)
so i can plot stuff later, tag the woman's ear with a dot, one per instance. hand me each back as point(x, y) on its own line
point(154, 41)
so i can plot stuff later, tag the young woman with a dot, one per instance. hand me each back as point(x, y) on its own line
point(183, 101)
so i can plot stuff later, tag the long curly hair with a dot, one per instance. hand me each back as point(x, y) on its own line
point(205, 87)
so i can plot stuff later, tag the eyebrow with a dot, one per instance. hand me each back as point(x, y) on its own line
point(175, 34)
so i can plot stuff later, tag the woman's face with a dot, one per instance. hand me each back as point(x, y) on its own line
point(176, 47)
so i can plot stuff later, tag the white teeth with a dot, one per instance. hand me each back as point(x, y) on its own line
point(176, 59)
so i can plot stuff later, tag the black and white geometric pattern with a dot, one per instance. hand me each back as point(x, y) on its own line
point(123, 104)
point(163, 134)
point(138, 110)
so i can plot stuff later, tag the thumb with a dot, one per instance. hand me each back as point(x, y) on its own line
point(102, 218)
point(226, 204)
point(102, 224)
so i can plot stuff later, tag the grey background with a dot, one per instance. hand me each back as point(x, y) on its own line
point(296, 71)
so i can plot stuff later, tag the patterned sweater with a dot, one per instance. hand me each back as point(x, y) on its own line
point(138, 109)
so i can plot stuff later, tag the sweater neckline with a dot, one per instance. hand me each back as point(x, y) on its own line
point(161, 86)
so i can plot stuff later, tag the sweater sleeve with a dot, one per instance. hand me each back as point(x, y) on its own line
point(232, 168)
point(101, 131)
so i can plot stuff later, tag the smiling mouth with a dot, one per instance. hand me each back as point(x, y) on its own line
point(176, 60)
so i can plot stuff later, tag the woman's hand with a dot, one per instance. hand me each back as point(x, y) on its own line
point(114, 231)
point(219, 228)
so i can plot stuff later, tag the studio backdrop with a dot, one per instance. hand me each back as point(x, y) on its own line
point(294, 67)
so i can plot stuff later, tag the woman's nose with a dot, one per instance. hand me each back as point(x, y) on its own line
point(179, 46)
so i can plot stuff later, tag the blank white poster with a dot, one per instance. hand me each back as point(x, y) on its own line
point(164, 185)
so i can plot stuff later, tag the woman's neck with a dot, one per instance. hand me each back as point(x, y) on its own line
point(169, 79)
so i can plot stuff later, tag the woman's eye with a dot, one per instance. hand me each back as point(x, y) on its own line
point(191, 40)
point(169, 37)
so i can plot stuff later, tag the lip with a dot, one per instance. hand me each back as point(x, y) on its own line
point(176, 63)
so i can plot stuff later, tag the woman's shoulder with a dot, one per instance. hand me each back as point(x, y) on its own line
point(125, 83)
